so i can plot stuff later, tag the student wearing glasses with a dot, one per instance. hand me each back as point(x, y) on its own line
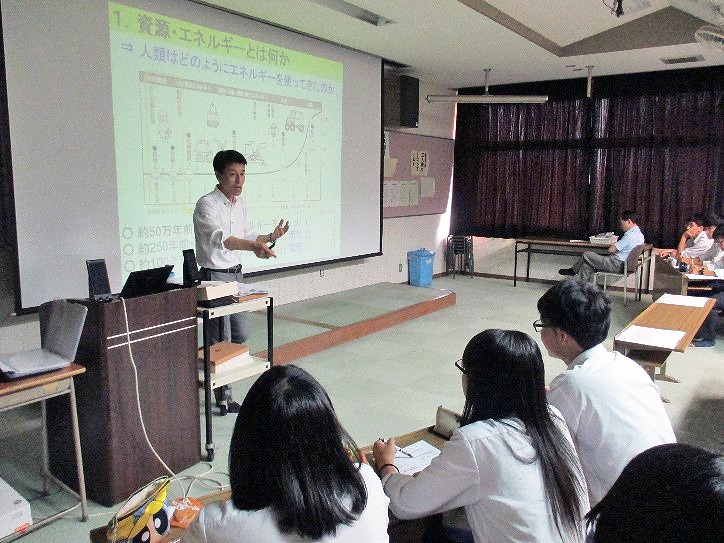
point(694, 240)
point(611, 406)
point(512, 464)
point(296, 475)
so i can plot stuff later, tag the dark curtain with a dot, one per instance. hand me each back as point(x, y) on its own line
point(661, 156)
point(521, 169)
point(567, 168)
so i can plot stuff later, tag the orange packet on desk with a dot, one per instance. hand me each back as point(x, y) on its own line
point(186, 511)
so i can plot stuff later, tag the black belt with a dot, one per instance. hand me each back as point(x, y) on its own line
point(235, 269)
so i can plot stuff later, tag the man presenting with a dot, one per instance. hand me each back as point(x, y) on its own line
point(611, 406)
point(590, 262)
point(222, 230)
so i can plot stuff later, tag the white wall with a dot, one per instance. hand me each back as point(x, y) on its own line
point(400, 235)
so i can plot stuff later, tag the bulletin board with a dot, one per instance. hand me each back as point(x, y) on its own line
point(417, 174)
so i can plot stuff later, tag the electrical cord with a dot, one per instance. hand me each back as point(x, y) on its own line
point(204, 478)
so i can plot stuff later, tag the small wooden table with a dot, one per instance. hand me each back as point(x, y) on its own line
point(39, 388)
point(683, 318)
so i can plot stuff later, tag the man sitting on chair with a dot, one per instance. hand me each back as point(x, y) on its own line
point(590, 262)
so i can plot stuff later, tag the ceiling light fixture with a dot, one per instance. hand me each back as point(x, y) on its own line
point(487, 98)
point(361, 14)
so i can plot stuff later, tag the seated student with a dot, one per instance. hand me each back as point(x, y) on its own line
point(694, 242)
point(590, 262)
point(671, 493)
point(712, 253)
point(512, 464)
point(706, 336)
point(296, 474)
point(610, 404)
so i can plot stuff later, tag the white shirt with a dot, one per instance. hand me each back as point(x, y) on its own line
point(712, 253)
point(614, 412)
point(489, 468)
point(215, 220)
point(697, 246)
point(221, 522)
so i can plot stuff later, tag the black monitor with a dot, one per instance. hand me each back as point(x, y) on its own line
point(144, 282)
point(99, 289)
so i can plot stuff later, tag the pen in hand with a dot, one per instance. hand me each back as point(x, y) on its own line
point(400, 449)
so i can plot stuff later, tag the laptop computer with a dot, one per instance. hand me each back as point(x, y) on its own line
point(144, 282)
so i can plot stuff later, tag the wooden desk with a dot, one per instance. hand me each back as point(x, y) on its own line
point(413, 530)
point(669, 280)
point(40, 388)
point(548, 246)
point(687, 319)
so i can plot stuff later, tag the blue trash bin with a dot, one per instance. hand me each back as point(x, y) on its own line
point(419, 267)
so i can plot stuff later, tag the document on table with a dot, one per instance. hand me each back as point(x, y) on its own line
point(422, 454)
point(676, 299)
point(655, 337)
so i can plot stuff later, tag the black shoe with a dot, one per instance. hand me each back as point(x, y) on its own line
point(234, 407)
point(567, 271)
point(703, 342)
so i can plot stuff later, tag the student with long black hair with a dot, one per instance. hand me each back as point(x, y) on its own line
point(296, 474)
point(511, 465)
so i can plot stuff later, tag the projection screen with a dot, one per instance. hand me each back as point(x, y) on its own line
point(117, 109)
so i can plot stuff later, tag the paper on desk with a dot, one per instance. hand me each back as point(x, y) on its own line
point(422, 454)
point(676, 299)
point(700, 277)
point(246, 289)
point(655, 337)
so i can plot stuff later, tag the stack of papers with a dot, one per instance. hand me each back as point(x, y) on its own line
point(421, 453)
point(245, 289)
point(654, 337)
point(676, 299)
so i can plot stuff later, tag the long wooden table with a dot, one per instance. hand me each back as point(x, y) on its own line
point(407, 531)
point(666, 316)
point(550, 246)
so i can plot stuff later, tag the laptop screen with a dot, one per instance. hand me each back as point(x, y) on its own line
point(144, 282)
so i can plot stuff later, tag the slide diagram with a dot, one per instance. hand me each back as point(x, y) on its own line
point(185, 122)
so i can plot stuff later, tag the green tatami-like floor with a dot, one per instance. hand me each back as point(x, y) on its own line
point(392, 381)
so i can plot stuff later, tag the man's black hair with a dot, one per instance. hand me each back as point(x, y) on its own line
point(578, 308)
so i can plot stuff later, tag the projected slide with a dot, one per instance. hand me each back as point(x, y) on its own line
point(182, 92)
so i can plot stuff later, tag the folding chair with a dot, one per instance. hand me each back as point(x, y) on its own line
point(633, 264)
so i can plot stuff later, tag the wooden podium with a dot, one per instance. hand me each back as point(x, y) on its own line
point(116, 458)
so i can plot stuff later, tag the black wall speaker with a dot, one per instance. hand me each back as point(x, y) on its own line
point(99, 289)
point(402, 100)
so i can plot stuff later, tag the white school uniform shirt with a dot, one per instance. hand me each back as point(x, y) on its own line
point(614, 412)
point(696, 247)
point(215, 220)
point(221, 522)
point(490, 468)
